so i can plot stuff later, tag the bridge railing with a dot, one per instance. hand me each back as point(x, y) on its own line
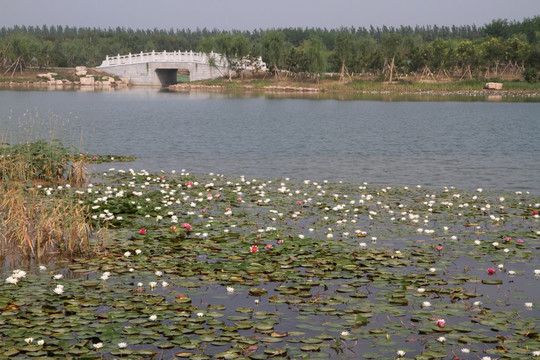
point(174, 56)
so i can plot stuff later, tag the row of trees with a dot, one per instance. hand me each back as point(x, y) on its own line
point(496, 49)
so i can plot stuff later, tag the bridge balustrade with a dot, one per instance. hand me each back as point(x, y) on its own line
point(175, 56)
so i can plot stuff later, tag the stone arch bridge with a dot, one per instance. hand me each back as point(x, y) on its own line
point(160, 68)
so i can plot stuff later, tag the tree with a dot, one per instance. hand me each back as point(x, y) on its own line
point(467, 55)
point(390, 44)
point(20, 50)
point(344, 49)
point(273, 50)
point(240, 47)
point(314, 53)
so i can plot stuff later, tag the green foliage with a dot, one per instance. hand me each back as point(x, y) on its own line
point(273, 44)
point(531, 76)
point(315, 56)
point(469, 48)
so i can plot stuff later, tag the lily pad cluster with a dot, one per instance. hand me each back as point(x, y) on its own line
point(211, 266)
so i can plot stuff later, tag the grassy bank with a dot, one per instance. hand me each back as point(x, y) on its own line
point(362, 84)
point(328, 83)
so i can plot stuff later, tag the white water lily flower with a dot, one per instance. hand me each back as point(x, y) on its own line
point(529, 305)
point(344, 333)
point(41, 342)
point(42, 268)
point(58, 276)
point(421, 290)
point(12, 280)
point(29, 340)
point(18, 274)
point(158, 273)
point(465, 350)
point(441, 339)
point(426, 304)
point(122, 345)
point(152, 317)
point(200, 314)
point(230, 289)
point(400, 353)
point(138, 251)
point(127, 254)
point(98, 345)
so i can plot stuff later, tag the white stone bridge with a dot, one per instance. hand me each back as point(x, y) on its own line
point(160, 68)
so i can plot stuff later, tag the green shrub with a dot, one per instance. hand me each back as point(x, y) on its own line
point(530, 76)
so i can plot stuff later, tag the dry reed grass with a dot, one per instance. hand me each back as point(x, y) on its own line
point(31, 224)
point(37, 225)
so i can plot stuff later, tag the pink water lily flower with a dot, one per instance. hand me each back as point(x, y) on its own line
point(186, 226)
point(254, 248)
point(142, 231)
point(491, 271)
point(441, 323)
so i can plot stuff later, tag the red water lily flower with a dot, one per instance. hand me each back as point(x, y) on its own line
point(142, 231)
point(254, 248)
point(491, 271)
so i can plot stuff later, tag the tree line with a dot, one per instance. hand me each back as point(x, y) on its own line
point(496, 49)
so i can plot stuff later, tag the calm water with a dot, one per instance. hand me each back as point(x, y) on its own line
point(467, 144)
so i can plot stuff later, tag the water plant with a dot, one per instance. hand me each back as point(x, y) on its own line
point(181, 276)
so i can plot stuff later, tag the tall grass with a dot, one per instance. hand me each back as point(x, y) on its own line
point(37, 225)
point(33, 224)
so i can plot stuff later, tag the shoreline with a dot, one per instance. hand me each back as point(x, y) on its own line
point(272, 89)
point(312, 90)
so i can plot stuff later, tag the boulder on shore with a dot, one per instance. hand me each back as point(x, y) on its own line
point(493, 86)
point(88, 80)
point(81, 70)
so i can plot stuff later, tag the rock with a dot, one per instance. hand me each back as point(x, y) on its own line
point(493, 86)
point(46, 76)
point(81, 70)
point(88, 81)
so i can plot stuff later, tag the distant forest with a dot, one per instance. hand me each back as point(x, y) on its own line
point(497, 49)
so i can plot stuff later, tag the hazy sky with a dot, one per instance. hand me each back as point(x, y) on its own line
point(264, 14)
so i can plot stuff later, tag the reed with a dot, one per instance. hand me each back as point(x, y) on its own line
point(35, 225)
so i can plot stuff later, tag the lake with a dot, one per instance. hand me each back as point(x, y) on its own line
point(224, 266)
point(466, 144)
